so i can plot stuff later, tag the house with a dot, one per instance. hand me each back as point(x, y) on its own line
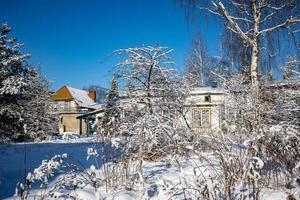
point(204, 108)
point(71, 103)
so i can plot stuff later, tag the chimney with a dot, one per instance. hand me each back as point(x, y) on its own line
point(92, 94)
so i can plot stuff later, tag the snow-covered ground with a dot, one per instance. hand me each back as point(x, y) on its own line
point(163, 179)
point(19, 159)
point(70, 137)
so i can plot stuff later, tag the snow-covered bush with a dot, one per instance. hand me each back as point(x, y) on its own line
point(264, 120)
point(234, 172)
point(40, 174)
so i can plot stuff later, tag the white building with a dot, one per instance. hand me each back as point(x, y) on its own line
point(204, 108)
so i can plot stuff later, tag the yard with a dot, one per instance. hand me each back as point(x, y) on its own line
point(19, 159)
point(171, 177)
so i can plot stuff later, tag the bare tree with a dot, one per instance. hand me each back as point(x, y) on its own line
point(200, 65)
point(253, 20)
point(196, 63)
point(291, 69)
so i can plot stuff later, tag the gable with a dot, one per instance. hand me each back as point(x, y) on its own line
point(62, 94)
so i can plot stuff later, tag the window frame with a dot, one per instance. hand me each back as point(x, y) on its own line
point(201, 109)
point(67, 105)
point(207, 98)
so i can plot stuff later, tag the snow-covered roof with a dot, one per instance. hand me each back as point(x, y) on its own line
point(94, 112)
point(206, 90)
point(81, 97)
point(97, 106)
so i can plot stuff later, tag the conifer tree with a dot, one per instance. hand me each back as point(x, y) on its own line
point(24, 94)
point(40, 115)
point(13, 76)
point(112, 113)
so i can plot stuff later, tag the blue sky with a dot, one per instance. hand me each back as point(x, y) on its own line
point(71, 39)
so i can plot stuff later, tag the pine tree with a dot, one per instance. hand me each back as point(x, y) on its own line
point(13, 75)
point(40, 115)
point(111, 115)
point(25, 104)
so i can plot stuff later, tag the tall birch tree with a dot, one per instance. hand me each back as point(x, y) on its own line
point(253, 20)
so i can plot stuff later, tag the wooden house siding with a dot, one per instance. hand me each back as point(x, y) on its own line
point(62, 94)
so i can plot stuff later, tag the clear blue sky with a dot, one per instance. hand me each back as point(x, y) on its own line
point(69, 39)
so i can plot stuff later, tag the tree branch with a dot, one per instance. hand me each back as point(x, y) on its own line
point(287, 23)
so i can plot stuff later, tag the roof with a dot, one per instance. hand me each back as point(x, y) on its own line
point(206, 90)
point(100, 110)
point(97, 106)
point(193, 91)
point(81, 97)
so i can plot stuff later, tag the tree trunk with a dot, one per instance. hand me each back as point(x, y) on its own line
point(255, 43)
point(254, 64)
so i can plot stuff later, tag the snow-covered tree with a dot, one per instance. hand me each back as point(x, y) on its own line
point(291, 69)
point(39, 110)
point(109, 122)
point(153, 98)
point(200, 66)
point(24, 95)
point(13, 81)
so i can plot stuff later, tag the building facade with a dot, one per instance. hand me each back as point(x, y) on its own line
point(72, 103)
point(204, 108)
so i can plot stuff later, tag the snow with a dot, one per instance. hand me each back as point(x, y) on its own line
point(206, 90)
point(81, 97)
point(273, 195)
point(66, 137)
point(163, 179)
point(17, 160)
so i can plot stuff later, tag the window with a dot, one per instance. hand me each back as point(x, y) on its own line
point(67, 105)
point(201, 117)
point(61, 120)
point(207, 98)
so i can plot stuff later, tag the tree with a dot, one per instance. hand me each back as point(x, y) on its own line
point(201, 67)
point(236, 53)
point(253, 21)
point(24, 94)
point(111, 117)
point(13, 82)
point(39, 109)
point(196, 64)
point(152, 99)
point(149, 73)
point(291, 69)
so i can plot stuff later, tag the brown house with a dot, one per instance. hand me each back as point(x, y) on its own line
point(71, 103)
